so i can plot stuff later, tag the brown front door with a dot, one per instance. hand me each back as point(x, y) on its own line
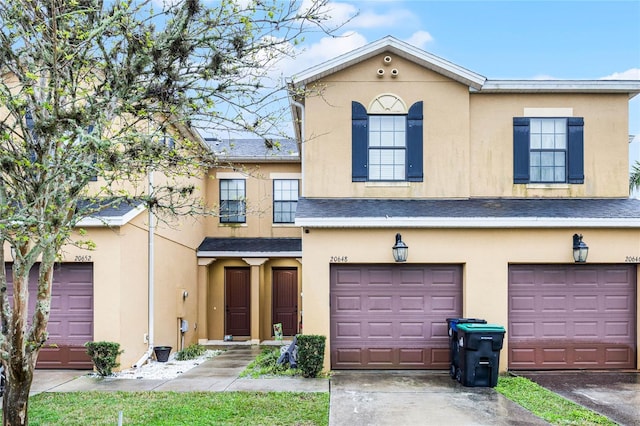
point(285, 300)
point(238, 301)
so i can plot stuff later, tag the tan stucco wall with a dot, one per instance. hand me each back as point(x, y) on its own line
point(468, 138)
point(327, 146)
point(606, 147)
point(259, 198)
point(484, 254)
point(216, 295)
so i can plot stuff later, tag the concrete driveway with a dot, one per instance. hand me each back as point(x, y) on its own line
point(398, 398)
point(612, 394)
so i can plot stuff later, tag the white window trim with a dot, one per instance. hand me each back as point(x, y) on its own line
point(285, 176)
point(548, 112)
point(231, 175)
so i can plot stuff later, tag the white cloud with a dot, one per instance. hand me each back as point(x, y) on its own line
point(324, 49)
point(420, 39)
point(389, 19)
point(630, 74)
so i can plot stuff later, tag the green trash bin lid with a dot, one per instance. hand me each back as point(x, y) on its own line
point(480, 328)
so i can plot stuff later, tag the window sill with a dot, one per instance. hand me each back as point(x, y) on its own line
point(547, 186)
point(232, 225)
point(284, 225)
point(387, 184)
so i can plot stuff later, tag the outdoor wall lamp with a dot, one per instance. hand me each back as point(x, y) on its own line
point(580, 249)
point(400, 250)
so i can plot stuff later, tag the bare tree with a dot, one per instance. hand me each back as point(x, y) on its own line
point(90, 90)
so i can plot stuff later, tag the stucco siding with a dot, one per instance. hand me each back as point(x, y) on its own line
point(484, 254)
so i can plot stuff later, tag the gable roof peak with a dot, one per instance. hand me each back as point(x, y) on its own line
point(397, 47)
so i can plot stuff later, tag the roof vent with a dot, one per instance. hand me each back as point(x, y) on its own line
point(386, 60)
point(380, 72)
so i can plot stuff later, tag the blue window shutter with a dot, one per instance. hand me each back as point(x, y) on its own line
point(414, 143)
point(520, 150)
point(359, 142)
point(576, 149)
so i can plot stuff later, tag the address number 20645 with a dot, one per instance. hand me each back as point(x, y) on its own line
point(338, 259)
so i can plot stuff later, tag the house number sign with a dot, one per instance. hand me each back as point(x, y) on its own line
point(632, 259)
point(338, 259)
point(83, 258)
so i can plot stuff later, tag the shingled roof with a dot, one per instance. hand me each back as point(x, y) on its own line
point(250, 247)
point(480, 212)
point(257, 150)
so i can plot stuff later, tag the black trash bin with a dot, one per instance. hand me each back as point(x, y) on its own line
point(162, 353)
point(479, 356)
point(452, 324)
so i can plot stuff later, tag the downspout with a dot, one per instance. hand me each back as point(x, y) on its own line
point(301, 107)
point(150, 278)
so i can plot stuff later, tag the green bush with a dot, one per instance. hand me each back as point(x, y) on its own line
point(103, 355)
point(310, 354)
point(190, 352)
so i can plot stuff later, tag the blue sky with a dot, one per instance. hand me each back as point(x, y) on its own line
point(498, 39)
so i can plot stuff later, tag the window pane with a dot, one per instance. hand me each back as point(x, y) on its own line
point(548, 142)
point(386, 138)
point(559, 159)
point(546, 174)
point(374, 123)
point(374, 139)
point(535, 125)
point(374, 156)
point(374, 172)
point(560, 125)
point(548, 126)
point(561, 141)
point(535, 174)
point(534, 159)
point(546, 158)
point(386, 172)
point(536, 141)
point(387, 123)
point(560, 174)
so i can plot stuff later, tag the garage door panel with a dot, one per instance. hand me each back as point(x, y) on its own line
point(401, 322)
point(587, 321)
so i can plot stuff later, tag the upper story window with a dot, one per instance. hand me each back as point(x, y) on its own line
point(548, 150)
point(387, 147)
point(232, 201)
point(386, 141)
point(285, 200)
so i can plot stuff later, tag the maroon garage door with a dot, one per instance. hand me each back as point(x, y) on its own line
point(393, 316)
point(71, 317)
point(572, 316)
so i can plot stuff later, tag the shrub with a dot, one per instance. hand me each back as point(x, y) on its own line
point(103, 355)
point(190, 352)
point(310, 354)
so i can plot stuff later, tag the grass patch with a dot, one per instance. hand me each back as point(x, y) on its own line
point(266, 364)
point(173, 408)
point(546, 404)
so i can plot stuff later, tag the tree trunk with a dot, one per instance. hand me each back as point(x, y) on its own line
point(16, 394)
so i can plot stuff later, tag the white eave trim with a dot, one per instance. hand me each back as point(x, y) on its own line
point(219, 254)
point(468, 222)
point(397, 47)
point(632, 87)
point(111, 221)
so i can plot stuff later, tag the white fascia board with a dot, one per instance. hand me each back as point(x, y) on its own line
point(562, 86)
point(468, 222)
point(219, 254)
point(394, 46)
point(110, 221)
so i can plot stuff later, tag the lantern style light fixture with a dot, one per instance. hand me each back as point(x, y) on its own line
point(400, 250)
point(580, 249)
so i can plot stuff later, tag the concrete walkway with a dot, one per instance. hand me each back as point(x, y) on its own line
point(218, 374)
point(356, 397)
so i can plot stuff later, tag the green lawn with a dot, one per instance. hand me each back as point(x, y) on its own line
point(172, 408)
point(546, 404)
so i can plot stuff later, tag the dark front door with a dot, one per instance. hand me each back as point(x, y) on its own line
point(285, 300)
point(238, 301)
